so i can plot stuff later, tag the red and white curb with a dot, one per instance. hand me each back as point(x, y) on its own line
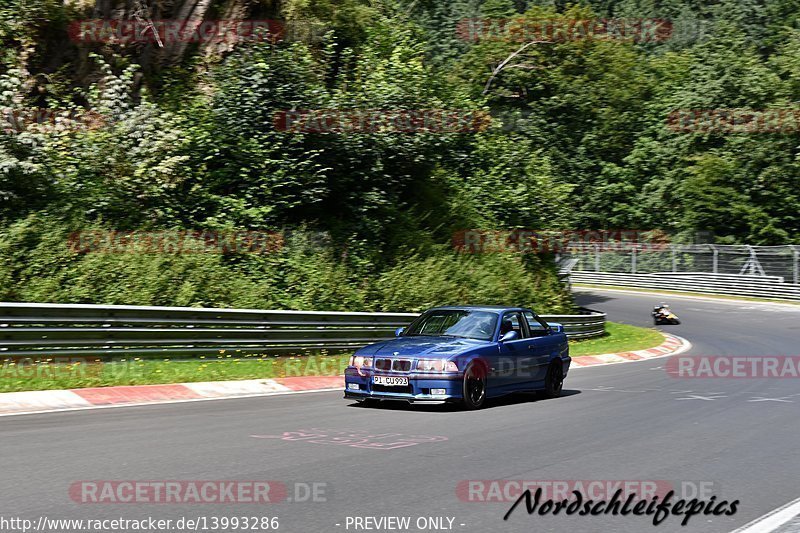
point(672, 345)
point(19, 403)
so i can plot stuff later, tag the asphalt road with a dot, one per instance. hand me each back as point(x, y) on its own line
point(736, 439)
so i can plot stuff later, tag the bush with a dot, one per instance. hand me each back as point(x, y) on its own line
point(38, 265)
point(455, 278)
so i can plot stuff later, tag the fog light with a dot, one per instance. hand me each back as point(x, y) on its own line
point(353, 386)
point(438, 392)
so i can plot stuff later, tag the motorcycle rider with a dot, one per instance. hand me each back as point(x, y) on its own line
point(663, 314)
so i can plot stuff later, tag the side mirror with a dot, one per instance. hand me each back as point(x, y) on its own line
point(509, 336)
point(399, 331)
point(556, 328)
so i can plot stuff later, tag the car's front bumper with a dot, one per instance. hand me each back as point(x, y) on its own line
point(419, 389)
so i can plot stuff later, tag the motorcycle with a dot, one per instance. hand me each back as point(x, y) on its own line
point(664, 315)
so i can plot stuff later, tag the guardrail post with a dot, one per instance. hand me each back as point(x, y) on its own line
point(796, 266)
point(715, 259)
point(596, 257)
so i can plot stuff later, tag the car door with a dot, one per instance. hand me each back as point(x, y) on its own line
point(542, 346)
point(514, 360)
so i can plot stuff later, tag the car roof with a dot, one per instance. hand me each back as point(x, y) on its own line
point(489, 308)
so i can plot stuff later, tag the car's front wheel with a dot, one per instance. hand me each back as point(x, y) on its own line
point(554, 382)
point(474, 386)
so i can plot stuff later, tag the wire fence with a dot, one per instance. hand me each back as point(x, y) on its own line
point(779, 262)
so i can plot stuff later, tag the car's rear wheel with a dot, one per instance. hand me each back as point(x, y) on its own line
point(554, 382)
point(474, 386)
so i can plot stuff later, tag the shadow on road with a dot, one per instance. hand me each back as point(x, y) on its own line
point(588, 299)
point(493, 403)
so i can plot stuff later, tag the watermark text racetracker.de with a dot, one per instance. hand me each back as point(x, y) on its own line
point(175, 241)
point(53, 367)
point(42, 120)
point(193, 492)
point(657, 499)
point(564, 29)
point(175, 492)
point(175, 31)
point(734, 366)
point(479, 241)
point(184, 492)
point(224, 491)
point(734, 121)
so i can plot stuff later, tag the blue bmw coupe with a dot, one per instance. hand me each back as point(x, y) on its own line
point(462, 354)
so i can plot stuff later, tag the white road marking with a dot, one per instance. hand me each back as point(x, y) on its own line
point(772, 520)
point(704, 398)
point(609, 389)
point(760, 399)
point(790, 527)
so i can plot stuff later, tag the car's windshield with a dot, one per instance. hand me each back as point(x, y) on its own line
point(455, 323)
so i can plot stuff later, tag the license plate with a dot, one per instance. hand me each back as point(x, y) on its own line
point(390, 381)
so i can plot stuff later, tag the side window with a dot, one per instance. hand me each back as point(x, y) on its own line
point(513, 322)
point(537, 327)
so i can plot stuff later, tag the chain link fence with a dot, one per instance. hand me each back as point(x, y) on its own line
point(782, 262)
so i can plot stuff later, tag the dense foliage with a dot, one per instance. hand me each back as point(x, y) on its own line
point(579, 139)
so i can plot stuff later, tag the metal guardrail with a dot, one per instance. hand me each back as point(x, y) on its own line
point(588, 324)
point(731, 285)
point(111, 330)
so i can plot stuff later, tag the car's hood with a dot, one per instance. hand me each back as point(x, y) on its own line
point(420, 345)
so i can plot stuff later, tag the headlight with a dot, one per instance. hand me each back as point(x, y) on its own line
point(359, 361)
point(436, 365)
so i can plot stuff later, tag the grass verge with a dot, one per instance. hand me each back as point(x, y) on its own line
point(25, 374)
point(618, 338)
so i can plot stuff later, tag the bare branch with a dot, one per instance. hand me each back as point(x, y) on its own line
point(505, 62)
point(142, 14)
